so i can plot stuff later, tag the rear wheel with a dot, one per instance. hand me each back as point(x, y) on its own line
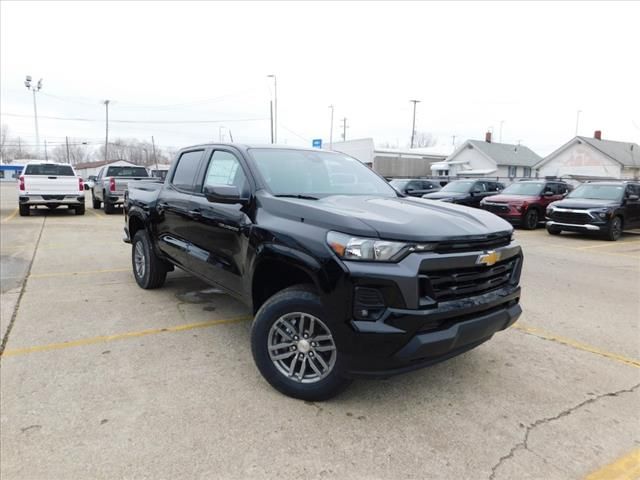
point(149, 270)
point(614, 232)
point(79, 209)
point(530, 220)
point(108, 206)
point(24, 210)
point(96, 203)
point(293, 346)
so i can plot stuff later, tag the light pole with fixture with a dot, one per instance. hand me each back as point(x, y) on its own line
point(577, 120)
point(413, 128)
point(274, 115)
point(34, 88)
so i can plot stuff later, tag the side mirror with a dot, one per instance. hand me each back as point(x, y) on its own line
point(92, 178)
point(222, 194)
point(548, 193)
point(633, 198)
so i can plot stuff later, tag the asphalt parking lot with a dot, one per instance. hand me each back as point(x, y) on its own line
point(100, 379)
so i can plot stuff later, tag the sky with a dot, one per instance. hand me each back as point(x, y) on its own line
point(523, 70)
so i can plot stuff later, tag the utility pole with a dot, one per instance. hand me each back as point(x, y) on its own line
point(331, 131)
point(153, 145)
point(66, 139)
point(275, 108)
point(578, 120)
point(230, 135)
point(413, 128)
point(34, 89)
point(344, 129)
point(106, 137)
point(46, 156)
point(453, 140)
point(271, 117)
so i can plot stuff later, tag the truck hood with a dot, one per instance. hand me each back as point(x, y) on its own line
point(512, 198)
point(440, 195)
point(584, 203)
point(405, 219)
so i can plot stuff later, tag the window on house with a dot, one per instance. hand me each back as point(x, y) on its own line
point(513, 172)
point(527, 172)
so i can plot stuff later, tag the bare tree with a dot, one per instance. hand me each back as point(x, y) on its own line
point(4, 133)
point(424, 139)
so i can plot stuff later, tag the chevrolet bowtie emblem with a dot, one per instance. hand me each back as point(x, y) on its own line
point(489, 258)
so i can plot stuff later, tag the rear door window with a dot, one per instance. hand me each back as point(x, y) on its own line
point(50, 170)
point(184, 176)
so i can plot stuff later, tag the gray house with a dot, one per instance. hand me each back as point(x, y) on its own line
point(584, 157)
point(478, 158)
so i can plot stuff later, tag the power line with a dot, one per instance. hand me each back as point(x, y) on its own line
point(160, 122)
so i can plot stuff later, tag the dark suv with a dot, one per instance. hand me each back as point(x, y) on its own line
point(466, 192)
point(524, 203)
point(414, 187)
point(597, 207)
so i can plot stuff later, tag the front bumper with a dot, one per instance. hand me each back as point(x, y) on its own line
point(51, 199)
point(415, 329)
point(574, 227)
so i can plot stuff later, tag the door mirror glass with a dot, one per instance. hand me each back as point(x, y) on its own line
point(548, 193)
point(633, 198)
point(222, 193)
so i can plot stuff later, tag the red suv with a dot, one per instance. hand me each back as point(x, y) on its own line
point(524, 203)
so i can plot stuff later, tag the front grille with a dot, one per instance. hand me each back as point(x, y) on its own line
point(473, 245)
point(53, 197)
point(496, 208)
point(571, 217)
point(444, 285)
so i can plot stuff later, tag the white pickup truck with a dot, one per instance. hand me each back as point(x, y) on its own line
point(50, 184)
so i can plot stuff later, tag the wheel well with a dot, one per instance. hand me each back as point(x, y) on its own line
point(135, 224)
point(271, 276)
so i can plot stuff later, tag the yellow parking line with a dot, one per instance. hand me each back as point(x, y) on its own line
point(120, 336)
point(609, 244)
point(13, 214)
point(70, 274)
point(577, 345)
point(624, 468)
point(101, 217)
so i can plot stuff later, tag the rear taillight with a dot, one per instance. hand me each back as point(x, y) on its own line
point(21, 184)
point(80, 185)
point(112, 184)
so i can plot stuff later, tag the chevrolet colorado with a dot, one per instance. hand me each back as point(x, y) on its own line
point(345, 276)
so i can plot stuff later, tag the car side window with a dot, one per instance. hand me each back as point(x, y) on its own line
point(412, 186)
point(632, 190)
point(480, 187)
point(184, 176)
point(100, 173)
point(225, 169)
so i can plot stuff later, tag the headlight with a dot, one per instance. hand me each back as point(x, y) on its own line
point(371, 249)
point(603, 213)
point(450, 200)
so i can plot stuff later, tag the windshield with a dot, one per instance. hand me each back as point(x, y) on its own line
point(49, 169)
point(457, 187)
point(399, 184)
point(598, 192)
point(317, 174)
point(127, 172)
point(524, 189)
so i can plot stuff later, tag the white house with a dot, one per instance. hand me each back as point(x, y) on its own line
point(584, 157)
point(477, 158)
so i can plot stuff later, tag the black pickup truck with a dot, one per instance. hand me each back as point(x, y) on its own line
point(345, 276)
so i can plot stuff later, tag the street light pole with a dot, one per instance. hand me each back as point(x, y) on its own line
point(413, 128)
point(331, 131)
point(106, 137)
point(578, 120)
point(275, 107)
point(34, 89)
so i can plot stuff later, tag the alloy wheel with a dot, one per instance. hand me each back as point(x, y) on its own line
point(139, 260)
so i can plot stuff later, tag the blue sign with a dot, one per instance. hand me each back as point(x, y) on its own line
point(316, 143)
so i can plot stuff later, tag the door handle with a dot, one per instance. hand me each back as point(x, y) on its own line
point(196, 213)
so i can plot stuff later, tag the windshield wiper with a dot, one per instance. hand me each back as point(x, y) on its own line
point(303, 197)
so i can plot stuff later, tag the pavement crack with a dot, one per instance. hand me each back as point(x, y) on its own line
point(524, 444)
point(22, 290)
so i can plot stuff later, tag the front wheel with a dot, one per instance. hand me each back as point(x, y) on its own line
point(294, 348)
point(614, 232)
point(149, 270)
point(95, 202)
point(553, 230)
point(530, 221)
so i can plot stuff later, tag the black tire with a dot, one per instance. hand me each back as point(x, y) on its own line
point(531, 219)
point(108, 207)
point(553, 230)
point(25, 211)
point(154, 271)
point(96, 203)
point(80, 209)
point(300, 298)
point(614, 230)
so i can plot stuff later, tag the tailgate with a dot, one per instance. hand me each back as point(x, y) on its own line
point(44, 185)
point(123, 182)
